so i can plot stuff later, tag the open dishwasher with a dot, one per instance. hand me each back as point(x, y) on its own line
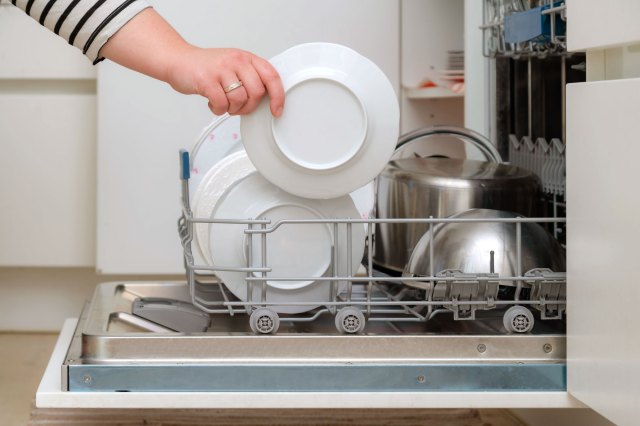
point(374, 331)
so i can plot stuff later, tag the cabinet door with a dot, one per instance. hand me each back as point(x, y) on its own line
point(142, 123)
point(30, 51)
point(596, 24)
point(603, 345)
point(47, 147)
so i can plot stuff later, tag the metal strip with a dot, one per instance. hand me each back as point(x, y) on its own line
point(318, 378)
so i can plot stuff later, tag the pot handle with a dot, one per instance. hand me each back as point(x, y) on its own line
point(476, 139)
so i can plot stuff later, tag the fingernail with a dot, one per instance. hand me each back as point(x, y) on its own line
point(279, 112)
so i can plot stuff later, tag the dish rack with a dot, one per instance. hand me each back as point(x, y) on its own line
point(523, 29)
point(365, 294)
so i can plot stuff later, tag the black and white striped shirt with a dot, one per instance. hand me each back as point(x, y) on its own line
point(85, 24)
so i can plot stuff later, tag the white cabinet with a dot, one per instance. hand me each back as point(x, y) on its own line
point(142, 123)
point(47, 138)
point(603, 234)
point(603, 210)
point(594, 24)
point(47, 179)
point(28, 51)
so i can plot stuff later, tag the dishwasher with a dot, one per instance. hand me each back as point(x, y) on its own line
point(439, 331)
point(378, 331)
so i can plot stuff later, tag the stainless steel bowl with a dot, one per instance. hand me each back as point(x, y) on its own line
point(467, 247)
point(440, 187)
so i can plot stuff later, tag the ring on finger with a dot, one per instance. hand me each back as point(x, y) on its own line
point(233, 86)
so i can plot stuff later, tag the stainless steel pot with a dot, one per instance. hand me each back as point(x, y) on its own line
point(441, 187)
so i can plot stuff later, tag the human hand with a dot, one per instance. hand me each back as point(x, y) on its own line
point(148, 44)
point(207, 72)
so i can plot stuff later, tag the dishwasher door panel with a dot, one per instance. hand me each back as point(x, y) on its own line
point(603, 344)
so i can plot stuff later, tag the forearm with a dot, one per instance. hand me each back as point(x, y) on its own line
point(147, 44)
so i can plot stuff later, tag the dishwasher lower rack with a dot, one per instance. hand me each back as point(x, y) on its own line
point(364, 295)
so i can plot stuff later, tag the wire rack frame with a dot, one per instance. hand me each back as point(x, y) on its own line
point(493, 29)
point(377, 296)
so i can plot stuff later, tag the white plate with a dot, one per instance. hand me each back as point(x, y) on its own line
point(223, 175)
point(339, 126)
point(365, 200)
point(219, 139)
point(220, 177)
point(451, 72)
point(294, 250)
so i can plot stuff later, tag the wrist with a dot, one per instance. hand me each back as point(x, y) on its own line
point(175, 60)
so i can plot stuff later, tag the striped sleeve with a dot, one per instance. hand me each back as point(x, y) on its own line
point(85, 24)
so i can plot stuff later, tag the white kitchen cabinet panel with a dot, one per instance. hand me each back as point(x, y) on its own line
point(47, 178)
point(596, 24)
point(603, 218)
point(142, 123)
point(30, 51)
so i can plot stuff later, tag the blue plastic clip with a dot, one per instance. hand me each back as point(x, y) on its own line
point(185, 169)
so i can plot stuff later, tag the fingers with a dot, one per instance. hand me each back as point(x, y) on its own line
point(271, 81)
point(254, 88)
point(230, 66)
point(218, 102)
point(237, 97)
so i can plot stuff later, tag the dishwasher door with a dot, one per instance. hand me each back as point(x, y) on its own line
point(603, 231)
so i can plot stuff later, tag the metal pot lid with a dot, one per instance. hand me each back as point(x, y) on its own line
point(442, 171)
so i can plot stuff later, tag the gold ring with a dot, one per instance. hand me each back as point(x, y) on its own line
point(232, 86)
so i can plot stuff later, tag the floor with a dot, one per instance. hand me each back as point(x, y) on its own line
point(24, 358)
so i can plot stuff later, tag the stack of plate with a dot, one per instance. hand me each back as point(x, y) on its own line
point(453, 76)
point(455, 60)
point(317, 161)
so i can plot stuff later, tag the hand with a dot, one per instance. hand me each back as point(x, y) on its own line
point(148, 44)
point(207, 72)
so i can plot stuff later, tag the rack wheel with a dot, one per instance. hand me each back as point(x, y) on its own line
point(350, 320)
point(264, 321)
point(518, 319)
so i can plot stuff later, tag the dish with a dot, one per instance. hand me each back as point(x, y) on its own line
point(338, 128)
point(220, 177)
point(216, 141)
point(226, 172)
point(365, 200)
point(294, 250)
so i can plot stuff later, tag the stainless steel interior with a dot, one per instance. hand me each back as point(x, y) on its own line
point(112, 350)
